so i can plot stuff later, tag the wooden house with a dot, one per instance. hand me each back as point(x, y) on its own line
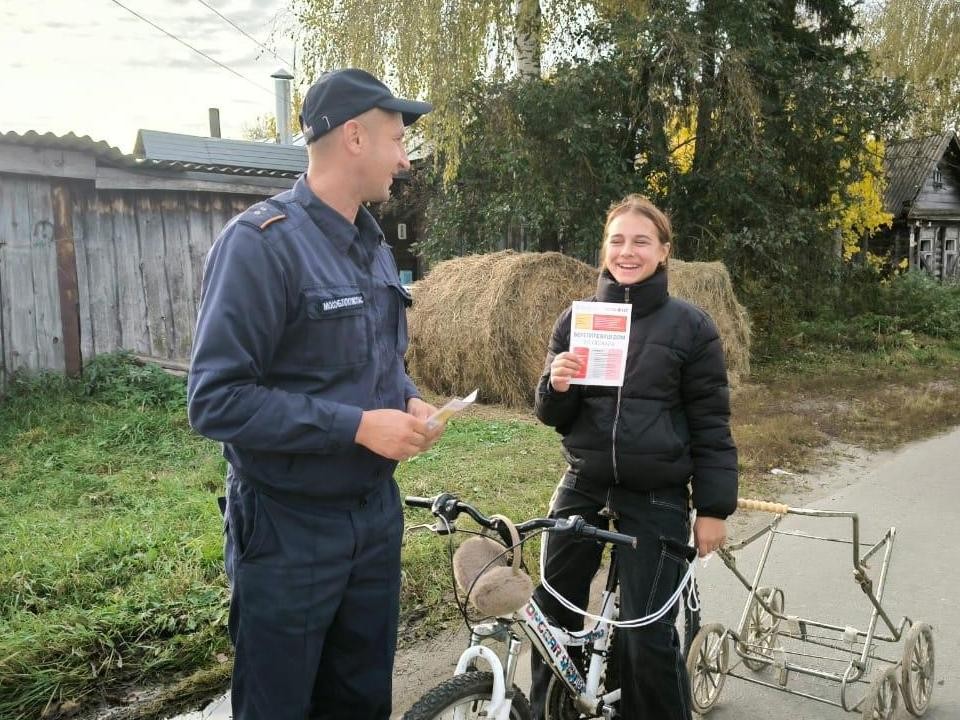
point(923, 194)
point(102, 251)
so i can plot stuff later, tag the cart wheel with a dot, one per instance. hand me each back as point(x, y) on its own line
point(884, 696)
point(760, 635)
point(916, 671)
point(707, 666)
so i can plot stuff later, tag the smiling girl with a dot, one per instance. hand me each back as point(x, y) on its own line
point(638, 455)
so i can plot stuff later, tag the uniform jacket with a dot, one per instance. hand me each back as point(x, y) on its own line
point(302, 326)
point(670, 422)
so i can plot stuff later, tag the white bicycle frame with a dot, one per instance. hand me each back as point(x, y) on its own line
point(551, 642)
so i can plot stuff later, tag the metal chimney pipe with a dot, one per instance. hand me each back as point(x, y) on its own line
point(281, 84)
point(215, 122)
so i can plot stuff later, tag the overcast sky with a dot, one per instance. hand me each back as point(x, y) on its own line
point(92, 68)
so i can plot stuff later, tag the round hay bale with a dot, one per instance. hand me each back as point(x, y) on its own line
point(484, 321)
point(707, 285)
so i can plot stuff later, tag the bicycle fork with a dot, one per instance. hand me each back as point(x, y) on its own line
point(500, 702)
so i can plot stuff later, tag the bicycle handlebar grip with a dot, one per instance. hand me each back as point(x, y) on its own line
point(607, 536)
point(763, 506)
point(420, 502)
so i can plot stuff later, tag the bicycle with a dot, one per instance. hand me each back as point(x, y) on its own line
point(573, 692)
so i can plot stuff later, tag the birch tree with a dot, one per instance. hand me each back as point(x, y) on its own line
point(919, 41)
point(433, 49)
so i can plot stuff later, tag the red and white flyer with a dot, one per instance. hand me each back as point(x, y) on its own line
point(599, 335)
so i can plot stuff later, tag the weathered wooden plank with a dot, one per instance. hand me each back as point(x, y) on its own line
point(96, 276)
point(175, 210)
point(44, 267)
point(199, 238)
point(68, 291)
point(152, 256)
point(46, 162)
point(4, 300)
point(118, 179)
point(20, 328)
point(81, 229)
point(131, 297)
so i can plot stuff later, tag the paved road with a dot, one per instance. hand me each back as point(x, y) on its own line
point(917, 490)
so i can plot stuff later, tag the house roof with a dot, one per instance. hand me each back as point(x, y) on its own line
point(81, 143)
point(180, 155)
point(208, 154)
point(907, 164)
point(171, 151)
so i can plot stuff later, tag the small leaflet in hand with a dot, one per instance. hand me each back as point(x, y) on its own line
point(451, 408)
point(599, 336)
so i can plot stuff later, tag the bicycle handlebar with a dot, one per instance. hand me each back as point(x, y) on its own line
point(763, 506)
point(419, 502)
point(450, 507)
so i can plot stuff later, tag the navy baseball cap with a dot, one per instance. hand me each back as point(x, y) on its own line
point(340, 95)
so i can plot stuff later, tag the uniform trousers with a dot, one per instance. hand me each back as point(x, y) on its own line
point(314, 604)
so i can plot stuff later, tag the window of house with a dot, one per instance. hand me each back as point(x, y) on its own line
point(924, 246)
point(951, 244)
point(937, 178)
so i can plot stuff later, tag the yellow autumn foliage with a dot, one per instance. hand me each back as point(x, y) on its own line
point(681, 135)
point(863, 211)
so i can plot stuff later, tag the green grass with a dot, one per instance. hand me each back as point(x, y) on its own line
point(111, 543)
point(506, 466)
point(110, 536)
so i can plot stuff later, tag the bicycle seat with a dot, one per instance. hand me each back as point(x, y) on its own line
point(495, 588)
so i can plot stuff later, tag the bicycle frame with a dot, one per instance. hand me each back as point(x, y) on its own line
point(550, 641)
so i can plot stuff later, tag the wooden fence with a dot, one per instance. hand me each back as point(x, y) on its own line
point(86, 270)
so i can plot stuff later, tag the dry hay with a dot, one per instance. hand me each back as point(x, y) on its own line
point(484, 321)
point(707, 285)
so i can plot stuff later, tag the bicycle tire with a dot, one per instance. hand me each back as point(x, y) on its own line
point(558, 704)
point(471, 687)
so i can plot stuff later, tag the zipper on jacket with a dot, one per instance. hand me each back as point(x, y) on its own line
point(616, 416)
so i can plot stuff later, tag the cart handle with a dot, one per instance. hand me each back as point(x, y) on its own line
point(763, 506)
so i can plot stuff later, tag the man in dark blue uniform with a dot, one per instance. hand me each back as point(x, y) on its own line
point(298, 370)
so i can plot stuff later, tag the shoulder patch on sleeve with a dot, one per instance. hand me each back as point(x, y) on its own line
point(262, 215)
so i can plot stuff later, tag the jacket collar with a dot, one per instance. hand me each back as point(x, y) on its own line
point(645, 296)
point(365, 233)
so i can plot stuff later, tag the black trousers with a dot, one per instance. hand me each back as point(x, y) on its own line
point(653, 675)
point(314, 606)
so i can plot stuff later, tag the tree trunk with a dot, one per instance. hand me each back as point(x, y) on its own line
point(527, 38)
point(550, 241)
point(707, 90)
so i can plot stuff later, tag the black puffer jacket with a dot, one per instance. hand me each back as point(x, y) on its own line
point(670, 422)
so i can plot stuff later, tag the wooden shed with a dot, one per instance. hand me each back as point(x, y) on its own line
point(101, 251)
point(923, 194)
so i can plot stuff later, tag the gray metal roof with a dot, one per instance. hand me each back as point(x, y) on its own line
point(218, 155)
point(907, 164)
point(170, 151)
point(81, 143)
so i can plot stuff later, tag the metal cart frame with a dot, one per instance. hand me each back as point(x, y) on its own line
point(758, 640)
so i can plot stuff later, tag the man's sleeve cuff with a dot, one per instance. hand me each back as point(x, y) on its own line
point(345, 425)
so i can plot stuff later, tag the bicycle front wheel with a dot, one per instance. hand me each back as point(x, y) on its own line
point(469, 694)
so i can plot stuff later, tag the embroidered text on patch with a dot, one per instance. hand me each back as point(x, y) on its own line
point(339, 303)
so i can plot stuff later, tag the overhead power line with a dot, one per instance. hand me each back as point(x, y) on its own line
point(244, 32)
point(185, 43)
